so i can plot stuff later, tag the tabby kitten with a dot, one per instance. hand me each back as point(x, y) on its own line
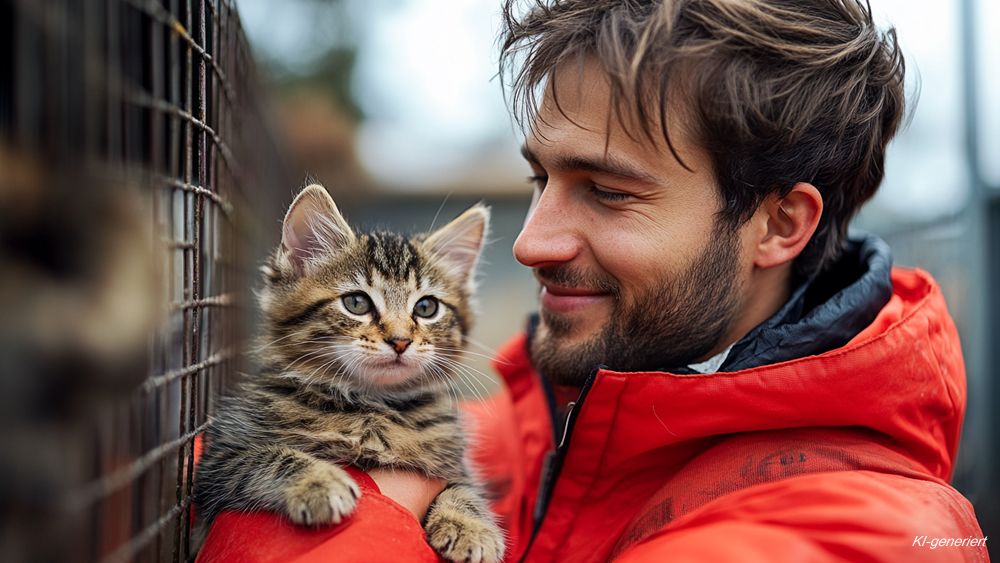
point(363, 330)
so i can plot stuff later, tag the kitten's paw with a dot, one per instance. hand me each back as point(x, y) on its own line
point(322, 494)
point(463, 538)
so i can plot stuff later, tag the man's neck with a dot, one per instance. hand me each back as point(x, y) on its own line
point(768, 291)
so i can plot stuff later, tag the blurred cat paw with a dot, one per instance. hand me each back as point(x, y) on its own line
point(322, 494)
point(462, 538)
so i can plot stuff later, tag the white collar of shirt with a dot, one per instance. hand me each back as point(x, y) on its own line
point(712, 364)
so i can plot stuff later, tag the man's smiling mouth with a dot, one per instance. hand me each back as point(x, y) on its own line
point(562, 300)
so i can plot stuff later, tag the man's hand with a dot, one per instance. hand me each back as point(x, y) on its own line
point(412, 490)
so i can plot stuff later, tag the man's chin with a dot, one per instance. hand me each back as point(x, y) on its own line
point(564, 356)
point(570, 330)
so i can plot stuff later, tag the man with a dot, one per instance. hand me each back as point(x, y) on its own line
point(716, 372)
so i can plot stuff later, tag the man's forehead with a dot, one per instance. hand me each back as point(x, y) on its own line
point(578, 91)
point(578, 99)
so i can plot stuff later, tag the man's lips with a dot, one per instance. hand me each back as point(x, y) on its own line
point(568, 300)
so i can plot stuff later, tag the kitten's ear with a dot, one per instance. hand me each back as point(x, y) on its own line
point(458, 244)
point(313, 228)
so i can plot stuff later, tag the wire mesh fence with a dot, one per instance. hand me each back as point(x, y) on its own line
point(136, 167)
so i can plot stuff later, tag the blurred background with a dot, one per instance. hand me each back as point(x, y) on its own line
point(186, 127)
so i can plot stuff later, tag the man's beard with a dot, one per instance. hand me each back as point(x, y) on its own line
point(673, 323)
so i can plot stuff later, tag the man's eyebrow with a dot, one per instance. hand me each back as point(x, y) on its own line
point(607, 165)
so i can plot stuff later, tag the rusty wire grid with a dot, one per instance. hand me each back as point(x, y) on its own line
point(154, 102)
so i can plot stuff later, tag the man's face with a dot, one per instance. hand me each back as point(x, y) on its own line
point(636, 273)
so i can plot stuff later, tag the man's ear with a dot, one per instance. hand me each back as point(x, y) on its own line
point(791, 222)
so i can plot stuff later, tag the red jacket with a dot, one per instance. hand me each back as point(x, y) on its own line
point(844, 456)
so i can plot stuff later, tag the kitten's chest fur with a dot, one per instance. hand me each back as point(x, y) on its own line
point(418, 430)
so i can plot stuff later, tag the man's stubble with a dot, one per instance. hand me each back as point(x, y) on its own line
point(673, 323)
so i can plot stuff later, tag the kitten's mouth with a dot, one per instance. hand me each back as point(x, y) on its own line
point(395, 370)
point(398, 361)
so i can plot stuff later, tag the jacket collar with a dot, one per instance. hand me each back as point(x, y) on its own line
point(822, 313)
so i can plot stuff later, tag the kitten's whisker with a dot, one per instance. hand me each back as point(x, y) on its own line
point(317, 350)
point(320, 352)
point(464, 352)
point(434, 220)
point(348, 368)
point(262, 347)
point(441, 366)
point(439, 374)
point(345, 360)
point(333, 380)
point(488, 401)
point(472, 340)
point(299, 333)
point(465, 367)
point(467, 374)
point(493, 354)
point(472, 387)
point(448, 383)
point(336, 380)
point(324, 367)
point(305, 356)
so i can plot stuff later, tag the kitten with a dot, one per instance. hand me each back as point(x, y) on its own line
point(363, 330)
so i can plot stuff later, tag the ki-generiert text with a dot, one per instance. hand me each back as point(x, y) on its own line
point(922, 541)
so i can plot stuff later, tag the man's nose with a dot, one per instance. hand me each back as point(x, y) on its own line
point(549, 236)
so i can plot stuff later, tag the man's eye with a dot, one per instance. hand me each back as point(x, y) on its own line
point(538, 180)
point(604, 194)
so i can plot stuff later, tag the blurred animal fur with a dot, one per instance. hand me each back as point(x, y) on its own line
point(79, 296)
point(363, 332)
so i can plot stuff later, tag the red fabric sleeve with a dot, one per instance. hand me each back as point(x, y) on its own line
point(832, 517)
point(379, 531)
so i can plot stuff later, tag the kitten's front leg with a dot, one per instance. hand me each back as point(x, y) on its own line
point(320, 493)
point(460, 527)
point(308, 490)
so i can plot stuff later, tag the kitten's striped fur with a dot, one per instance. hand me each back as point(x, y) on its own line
point(343, 386)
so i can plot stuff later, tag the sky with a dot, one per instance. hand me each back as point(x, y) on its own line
point(426, 79)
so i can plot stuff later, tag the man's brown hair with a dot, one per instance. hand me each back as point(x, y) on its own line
point(777, 91)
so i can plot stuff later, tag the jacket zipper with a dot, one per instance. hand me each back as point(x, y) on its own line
point(553, 463)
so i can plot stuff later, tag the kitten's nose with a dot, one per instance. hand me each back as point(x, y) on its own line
point(399, 343)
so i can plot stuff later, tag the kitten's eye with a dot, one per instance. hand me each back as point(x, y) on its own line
point(358, 303)
point(426, 307)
